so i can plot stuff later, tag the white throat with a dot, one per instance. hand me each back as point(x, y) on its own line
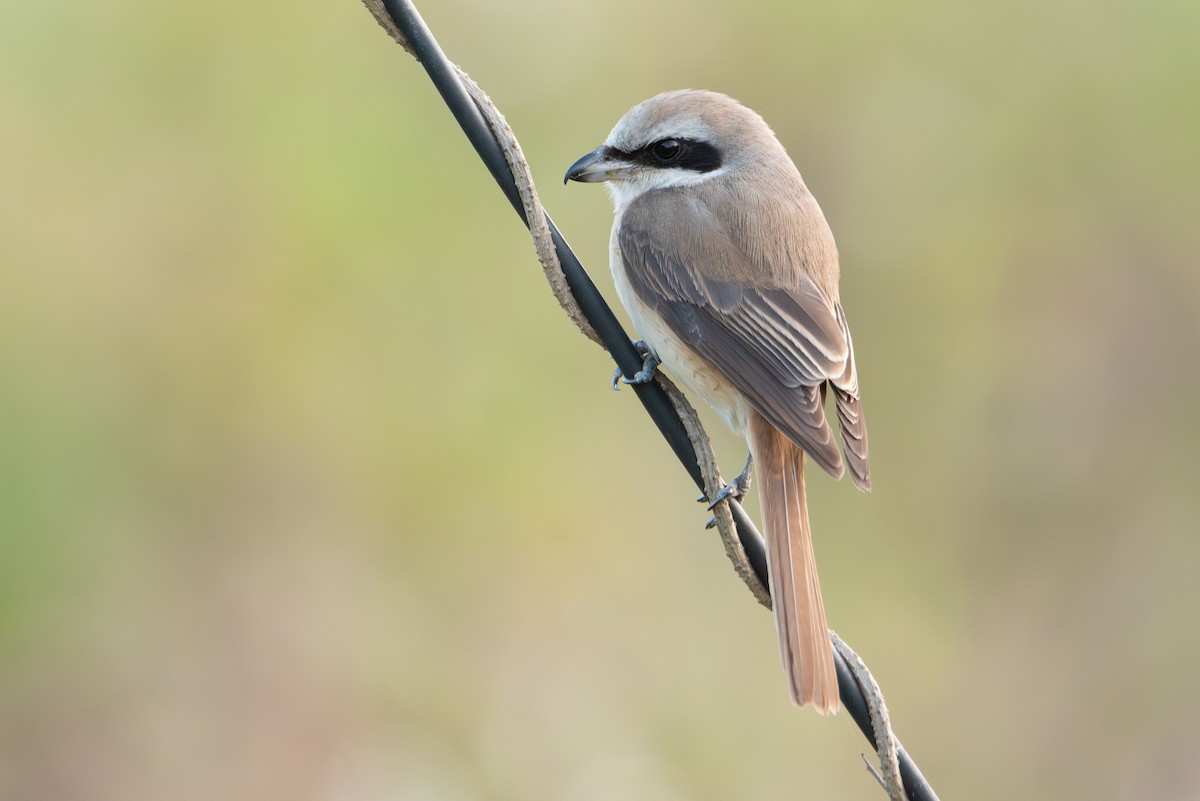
point(625, 191)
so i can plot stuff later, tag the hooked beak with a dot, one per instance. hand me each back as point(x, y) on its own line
point(603, 164)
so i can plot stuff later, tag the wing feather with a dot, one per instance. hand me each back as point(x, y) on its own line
point(777, 345)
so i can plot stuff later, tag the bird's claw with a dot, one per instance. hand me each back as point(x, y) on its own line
point(735, 489)
point(650, 364)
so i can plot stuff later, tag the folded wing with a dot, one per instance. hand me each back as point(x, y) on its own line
point(778, 345)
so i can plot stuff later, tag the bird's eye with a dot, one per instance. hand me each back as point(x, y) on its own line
point(667, 150)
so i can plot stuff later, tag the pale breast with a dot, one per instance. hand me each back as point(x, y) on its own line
point(697, 375)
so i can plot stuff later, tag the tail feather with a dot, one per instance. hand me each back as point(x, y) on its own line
point(791, 565)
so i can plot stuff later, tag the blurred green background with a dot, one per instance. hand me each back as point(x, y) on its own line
point(308, 490)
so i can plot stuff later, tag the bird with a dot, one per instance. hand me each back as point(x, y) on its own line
point(729, 272)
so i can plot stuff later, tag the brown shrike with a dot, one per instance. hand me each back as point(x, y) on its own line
point(730, 274)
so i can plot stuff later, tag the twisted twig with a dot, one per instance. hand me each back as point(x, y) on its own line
point(881, 725)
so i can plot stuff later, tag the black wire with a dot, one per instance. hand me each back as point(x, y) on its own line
point(606, 325)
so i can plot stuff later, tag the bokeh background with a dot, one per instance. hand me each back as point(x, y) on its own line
point(308, 490)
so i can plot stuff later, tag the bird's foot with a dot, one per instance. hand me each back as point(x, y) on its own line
point(650, 364)
point(735, 489)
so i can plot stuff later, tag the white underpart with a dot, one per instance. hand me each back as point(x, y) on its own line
point(678, 360)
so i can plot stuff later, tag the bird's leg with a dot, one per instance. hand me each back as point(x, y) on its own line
point(735, 489)
point(645, 375)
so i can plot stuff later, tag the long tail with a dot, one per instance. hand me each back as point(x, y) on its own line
point(796, 592)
